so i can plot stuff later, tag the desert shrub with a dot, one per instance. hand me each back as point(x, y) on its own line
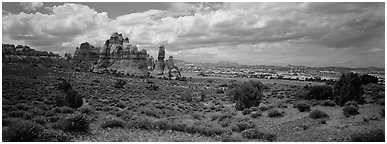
point(245, 124)
point(382, 112)
point(275, 113)
point(40, 120)
point(265, 107)
point(22, 106)
point(246, 111)
point(348, 88)
point(22, 131)
point(75, 123)
point(225, 123)
point(197, 116)
point(18, 113)
point(219, 91)
point(318, 114)
point(59, 101)
point(51, 135)
point(321, 92)
point(374, 135)
point(187, 96)
point(178, 126)
point(113, 123)
point(253, 133)
point(214, 117)
point(120, 104)
point(224, 116)
point(350, 110)
point(64, 86)
point(203, 96)
point(247, 94)
point(366, 79)
point(231, 138)
point(330, 103)
point(152, 87)
point(256, 114)
point(73, 99)
point(119, 83)
point(64, 109)
point(351, 103)
point(162, 124)
point(142, 123)
point(302, 106)
point(86, 110)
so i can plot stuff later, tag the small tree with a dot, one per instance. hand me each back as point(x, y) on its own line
point(248, 94)
point(348, 88)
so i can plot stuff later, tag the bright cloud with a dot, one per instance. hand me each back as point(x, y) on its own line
point(249, 33)
point(31, 6)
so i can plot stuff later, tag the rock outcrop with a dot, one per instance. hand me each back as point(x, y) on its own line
point(86, 52)
point(120, 56)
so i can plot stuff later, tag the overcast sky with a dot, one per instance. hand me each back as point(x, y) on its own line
point(311, 34)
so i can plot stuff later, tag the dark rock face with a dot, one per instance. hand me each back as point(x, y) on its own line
point(25, 50)
point(86, 52)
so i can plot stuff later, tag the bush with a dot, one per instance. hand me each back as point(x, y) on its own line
point(350, 110)
point(256, 114)
point(113, 123)
point(73, 99)
point(162, 124)
point(203, 96)
point(143, 123)
point(322, 92)
point(120, 83)
point(22, 131)
point(351, 103)
point(257, 134)
point(120, 105)
point(64, 109)
point(302, 106)
point(252, 134)
point(265, 107)
point(318, 114)
point(231, 138)
point(86, 110)
point(275, 113)
point(75, 123)
point(50, 135)
point(244, 124)
point(219, 91)
point(187, 96)
point(248, 94)
point(64, 86)
point(224, 116)
point(246, 111)
point(330, 103)
point(374, 135)
point(60, 101)
point(348, 88)
point(152, 87)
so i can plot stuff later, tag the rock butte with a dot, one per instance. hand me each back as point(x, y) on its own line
point(118, 55)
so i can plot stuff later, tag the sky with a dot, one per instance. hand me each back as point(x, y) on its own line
point(252, 33)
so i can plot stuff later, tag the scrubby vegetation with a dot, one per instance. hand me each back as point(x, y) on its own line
point(302, 106)
point(193, 110)
point(322, 92)
point(318, 114)
point(376, 135)
point(348, 88)
point(247, 94)
point(350, 110)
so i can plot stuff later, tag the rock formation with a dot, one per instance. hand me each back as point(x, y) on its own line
point(119, 55)
point(86, 52)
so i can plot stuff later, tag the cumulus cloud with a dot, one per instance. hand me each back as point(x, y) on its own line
point(31, 6)
point(218, 31)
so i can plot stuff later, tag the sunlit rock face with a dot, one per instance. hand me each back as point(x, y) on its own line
point(120, 56)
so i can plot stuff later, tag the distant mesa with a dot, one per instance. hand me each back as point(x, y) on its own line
point(118, 55)
point(25, 50)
